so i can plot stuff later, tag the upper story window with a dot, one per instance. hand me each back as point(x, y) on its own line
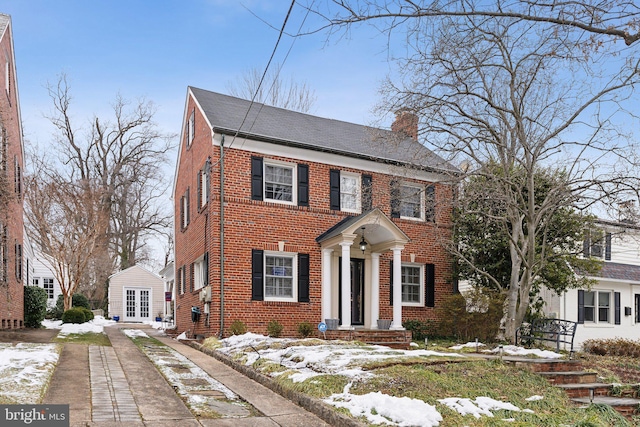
point(7, 77)
point(597, 244)
point(412, 201)
point(17, 177)
point(3, 149)
point(184, 210)
point(204, 185)
point(349, 192)
point(279, 182)
point(191, 127)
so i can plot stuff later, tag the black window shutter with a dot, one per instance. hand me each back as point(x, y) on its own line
point(182, 212)
point(616, 299)
point(334, 185)
point(256, 178)
point(303, 185)
point(391, 282)
point(206, 269)
point(257, 275)
point(430, 285)
point(367, 193)
point(430, 211)
point(395, 199)
point(303, 277)
point(586, 245)
point(188, 208)
point(192, 268)
point(580, 306)
point(607, 248)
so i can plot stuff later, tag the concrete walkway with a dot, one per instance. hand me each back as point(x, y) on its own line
point(120, 386)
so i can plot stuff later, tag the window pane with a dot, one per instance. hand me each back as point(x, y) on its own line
point(410, 203)
point(278, 183)
point(589, 299)
point(589, 314)
point(348, 193)
point(411, 284)
point(279, 277)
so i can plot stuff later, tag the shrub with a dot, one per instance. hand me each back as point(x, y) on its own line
point(77, 300)
point(476, 314)
point(274, 329)
point(88, 314)
point(73, 315)
point(238, 327)
point(35, 306)
point(305, 329)
point(612, 347)
point(421, 329)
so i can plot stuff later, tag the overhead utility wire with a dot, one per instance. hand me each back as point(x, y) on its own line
point(293, 2)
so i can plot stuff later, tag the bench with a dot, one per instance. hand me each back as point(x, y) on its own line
point(547, 330)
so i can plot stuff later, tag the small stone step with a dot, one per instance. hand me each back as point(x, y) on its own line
point(584, 390)
point(624, 405)
point(546, 365)
point(570, 377)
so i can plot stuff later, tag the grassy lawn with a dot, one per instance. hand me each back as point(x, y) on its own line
point(88, 338)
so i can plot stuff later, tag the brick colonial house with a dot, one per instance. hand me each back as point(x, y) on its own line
point(11, 206)
point(303, 218)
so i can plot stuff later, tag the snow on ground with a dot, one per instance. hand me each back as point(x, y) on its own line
point(513, 350)
point(313, 360)
point(96, 326)
point(467, 345)
point(25, 370)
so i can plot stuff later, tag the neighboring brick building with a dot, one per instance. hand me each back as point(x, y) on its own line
point(11, 211)
point(301, 193)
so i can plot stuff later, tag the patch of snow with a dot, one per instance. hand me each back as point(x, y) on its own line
point(534, 398)
point(467, 345)
point(182, 336)
point(513, 350)
point(25, 370)
point(480, 406)
point(132, 333)
point(380, 408)
point(96, 326)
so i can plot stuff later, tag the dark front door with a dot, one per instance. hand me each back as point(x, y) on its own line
point(357, 292)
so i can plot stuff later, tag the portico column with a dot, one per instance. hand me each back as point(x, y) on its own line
point(375, 290)
point(326, 284)
point(397, 290)
point(345, 275)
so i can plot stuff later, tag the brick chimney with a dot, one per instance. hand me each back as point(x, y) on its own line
point(406, 122)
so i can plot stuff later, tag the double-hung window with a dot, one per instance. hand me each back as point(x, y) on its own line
point(279, 179)
point(412, 284)
point(204, 184)
point(200, 272)
point(280, 276)
point(597, 306)
point(411, 201)
point(349, 192)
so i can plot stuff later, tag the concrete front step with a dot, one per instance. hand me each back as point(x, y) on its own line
point(570, 377)
point(624, 405)
point(585, 389)
point(389, 338)
point(546, 365)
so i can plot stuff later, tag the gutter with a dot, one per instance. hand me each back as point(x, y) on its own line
point(221, 237)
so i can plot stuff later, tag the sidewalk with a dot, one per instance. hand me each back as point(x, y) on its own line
point(120, 386)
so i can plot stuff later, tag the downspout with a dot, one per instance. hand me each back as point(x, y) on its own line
point(222, 237)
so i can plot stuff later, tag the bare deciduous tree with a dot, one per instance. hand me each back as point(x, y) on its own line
point(121, 160)
point(273, 90)
point(521, 94)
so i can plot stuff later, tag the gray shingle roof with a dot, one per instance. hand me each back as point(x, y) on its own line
point(277, 125)
point(613, 270)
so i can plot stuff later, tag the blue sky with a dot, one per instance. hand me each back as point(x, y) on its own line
point(155, 49)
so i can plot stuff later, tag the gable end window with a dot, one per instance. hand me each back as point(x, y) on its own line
point(204, 183)
point(279, 276)
point(184, 210)
point(191, 127)
point(279, 182)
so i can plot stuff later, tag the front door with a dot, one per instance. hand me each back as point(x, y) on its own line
point(137, 305)
point(357, 292)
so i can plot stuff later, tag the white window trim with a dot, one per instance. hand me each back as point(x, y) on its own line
point(611, 321)
point(185, 207)
point(421, 189)
point(294, 181)
point(358, 194)
point(421, 302)
point(191, 128)
point(294, 279)
point(198, 273)
point(204, 193)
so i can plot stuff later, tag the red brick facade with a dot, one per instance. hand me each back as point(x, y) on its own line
point(255, 224)
point(11, 161)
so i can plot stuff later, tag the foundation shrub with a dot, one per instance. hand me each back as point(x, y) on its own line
point(305, 329)
point(88, 314)
point(421, 329)
point(238, 327)
point(35, 306)
point(274, 329)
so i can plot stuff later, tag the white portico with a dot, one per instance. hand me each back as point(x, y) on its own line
point(351, 276)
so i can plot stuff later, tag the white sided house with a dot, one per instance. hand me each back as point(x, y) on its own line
point(43, 277)
point(136, 295)
point(611, 308)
